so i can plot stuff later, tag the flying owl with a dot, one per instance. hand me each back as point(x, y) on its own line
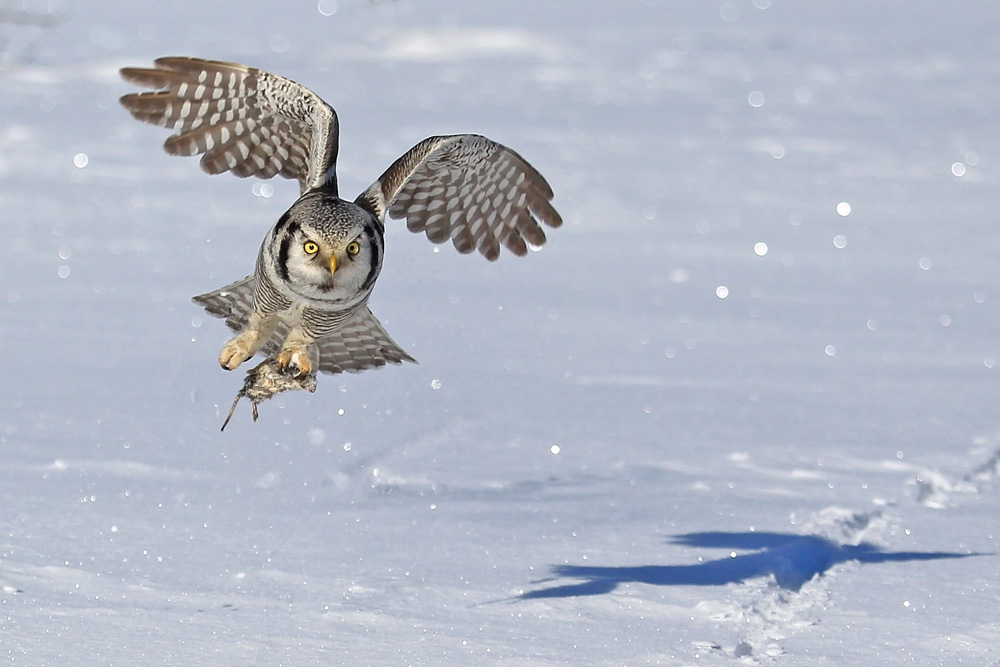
point(306, 303)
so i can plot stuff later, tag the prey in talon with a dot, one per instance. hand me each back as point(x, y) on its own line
point(266, 380)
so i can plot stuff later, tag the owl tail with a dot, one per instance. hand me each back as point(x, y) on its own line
point(232, 302)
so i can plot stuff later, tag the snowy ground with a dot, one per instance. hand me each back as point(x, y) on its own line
point(653, 442)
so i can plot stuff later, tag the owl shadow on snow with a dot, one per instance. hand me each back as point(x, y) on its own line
point(791, 559)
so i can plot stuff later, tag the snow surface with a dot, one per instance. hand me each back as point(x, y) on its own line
point(656, 441)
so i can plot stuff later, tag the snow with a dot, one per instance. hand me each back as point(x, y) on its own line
point(739, 410)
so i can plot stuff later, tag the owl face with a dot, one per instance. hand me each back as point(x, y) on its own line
point(326, 250)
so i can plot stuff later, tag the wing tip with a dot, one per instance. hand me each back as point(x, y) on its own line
point(128, 101)
point(134, 75)
point(550, 216)
point(337, 369)
point(157, 76)
point(169, 62)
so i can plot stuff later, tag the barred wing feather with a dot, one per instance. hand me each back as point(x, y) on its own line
point(232, 303)
point(239, 119)
point(361, 343)
point(467, 188)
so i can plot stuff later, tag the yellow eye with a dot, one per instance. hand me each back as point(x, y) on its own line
point(310, 247)
point(353, 248)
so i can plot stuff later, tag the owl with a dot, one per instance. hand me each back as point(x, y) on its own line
point(306, 302)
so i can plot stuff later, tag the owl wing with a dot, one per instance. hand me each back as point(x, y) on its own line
point(361, 343)
point(467, 188)
point(239, 119)
point(233, 302)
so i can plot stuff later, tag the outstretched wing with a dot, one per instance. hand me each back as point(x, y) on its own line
point(239, 118)
point(467, 188)
point(361, 343)
point(233, 302)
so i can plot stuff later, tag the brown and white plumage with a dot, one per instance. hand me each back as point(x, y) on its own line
point(238, 119)
point(468, 188)
point(307, 298)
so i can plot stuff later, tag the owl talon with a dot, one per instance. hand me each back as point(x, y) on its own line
point(295, 361)
point(233, 354)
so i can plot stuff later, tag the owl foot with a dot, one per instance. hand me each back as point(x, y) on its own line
point(234, 353)
point(296, 361)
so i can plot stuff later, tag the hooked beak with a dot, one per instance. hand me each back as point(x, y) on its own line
point(333, 263)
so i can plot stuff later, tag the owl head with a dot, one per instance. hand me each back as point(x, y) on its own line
point(326, 249)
